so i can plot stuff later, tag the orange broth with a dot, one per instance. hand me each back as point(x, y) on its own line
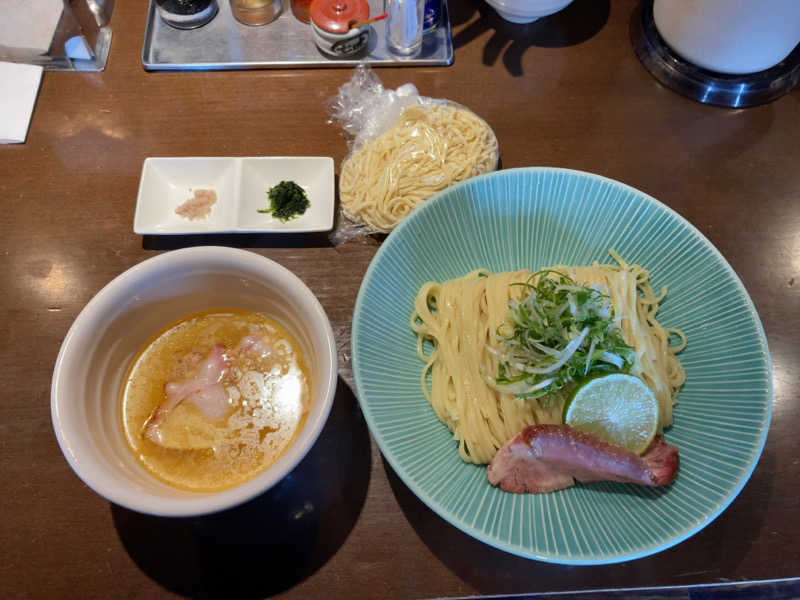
point(267, 394)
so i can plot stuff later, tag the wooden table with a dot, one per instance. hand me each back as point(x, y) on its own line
point(566, 92)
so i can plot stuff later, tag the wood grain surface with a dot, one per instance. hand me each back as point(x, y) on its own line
point(566, 91)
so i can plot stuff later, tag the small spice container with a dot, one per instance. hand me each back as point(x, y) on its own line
point(332, 22)
point(256, 12)
point(186, 14)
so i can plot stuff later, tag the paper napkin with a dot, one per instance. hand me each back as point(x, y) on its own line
point(27, 26)
point(19, 86)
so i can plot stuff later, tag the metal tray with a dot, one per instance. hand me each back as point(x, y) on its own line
point(286, 43)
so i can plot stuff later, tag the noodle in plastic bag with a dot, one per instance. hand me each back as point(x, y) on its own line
point(404, 149)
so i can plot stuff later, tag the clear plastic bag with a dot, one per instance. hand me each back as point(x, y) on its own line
point(403, 148)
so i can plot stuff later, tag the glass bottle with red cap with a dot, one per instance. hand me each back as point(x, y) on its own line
point(301, 9)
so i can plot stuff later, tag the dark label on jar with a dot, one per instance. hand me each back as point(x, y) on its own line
point(350, 45)
point(433, 14)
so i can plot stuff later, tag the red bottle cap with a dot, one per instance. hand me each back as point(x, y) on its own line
point(336, 16)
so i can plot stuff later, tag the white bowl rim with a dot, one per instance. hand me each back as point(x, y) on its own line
point(199, 503)
point(527, 12)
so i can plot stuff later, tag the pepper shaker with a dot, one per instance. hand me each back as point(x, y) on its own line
point(404, 25)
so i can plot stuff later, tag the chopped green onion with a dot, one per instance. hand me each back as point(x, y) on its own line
point(555, 332)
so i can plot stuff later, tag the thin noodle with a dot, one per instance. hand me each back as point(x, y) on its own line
point(428, 149)
point(455, 321)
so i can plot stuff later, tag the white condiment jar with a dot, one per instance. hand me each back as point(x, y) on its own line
point(333, 25)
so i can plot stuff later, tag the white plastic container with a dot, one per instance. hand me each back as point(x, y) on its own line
point(734, 37)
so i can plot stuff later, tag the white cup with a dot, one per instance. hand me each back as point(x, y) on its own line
point(734, 37)
point(118, 322)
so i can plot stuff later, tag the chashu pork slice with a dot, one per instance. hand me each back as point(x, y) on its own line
point(186, 419)
point(194, 412)
point(545, 458)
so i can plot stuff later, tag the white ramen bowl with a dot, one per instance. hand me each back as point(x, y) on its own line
point(118, 322)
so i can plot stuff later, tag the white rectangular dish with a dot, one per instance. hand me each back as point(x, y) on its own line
point(241, 185)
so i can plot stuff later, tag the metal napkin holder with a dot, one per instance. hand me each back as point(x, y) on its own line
point(84, 25)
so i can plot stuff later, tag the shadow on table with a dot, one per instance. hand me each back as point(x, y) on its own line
point(343, 232)
point(237, 240)
point(709, 556)
point(273, 542)
point(575, 24)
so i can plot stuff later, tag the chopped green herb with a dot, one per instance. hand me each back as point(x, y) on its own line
point(286, 201)
point(556, 332)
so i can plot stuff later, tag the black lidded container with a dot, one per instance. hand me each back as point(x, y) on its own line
point(187, 14)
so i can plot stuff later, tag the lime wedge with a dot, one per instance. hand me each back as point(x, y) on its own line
point(620, 409)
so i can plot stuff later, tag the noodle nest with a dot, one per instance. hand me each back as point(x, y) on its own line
point(459, 319)
point(429, 148)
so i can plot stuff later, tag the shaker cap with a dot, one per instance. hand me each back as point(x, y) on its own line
point(336, 16)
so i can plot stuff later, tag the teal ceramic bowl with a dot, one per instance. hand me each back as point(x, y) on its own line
point(530, 218)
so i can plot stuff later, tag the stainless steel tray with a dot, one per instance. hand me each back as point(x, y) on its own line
point(286, 43)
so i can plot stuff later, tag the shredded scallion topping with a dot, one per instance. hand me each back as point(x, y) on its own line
point(557, 331)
